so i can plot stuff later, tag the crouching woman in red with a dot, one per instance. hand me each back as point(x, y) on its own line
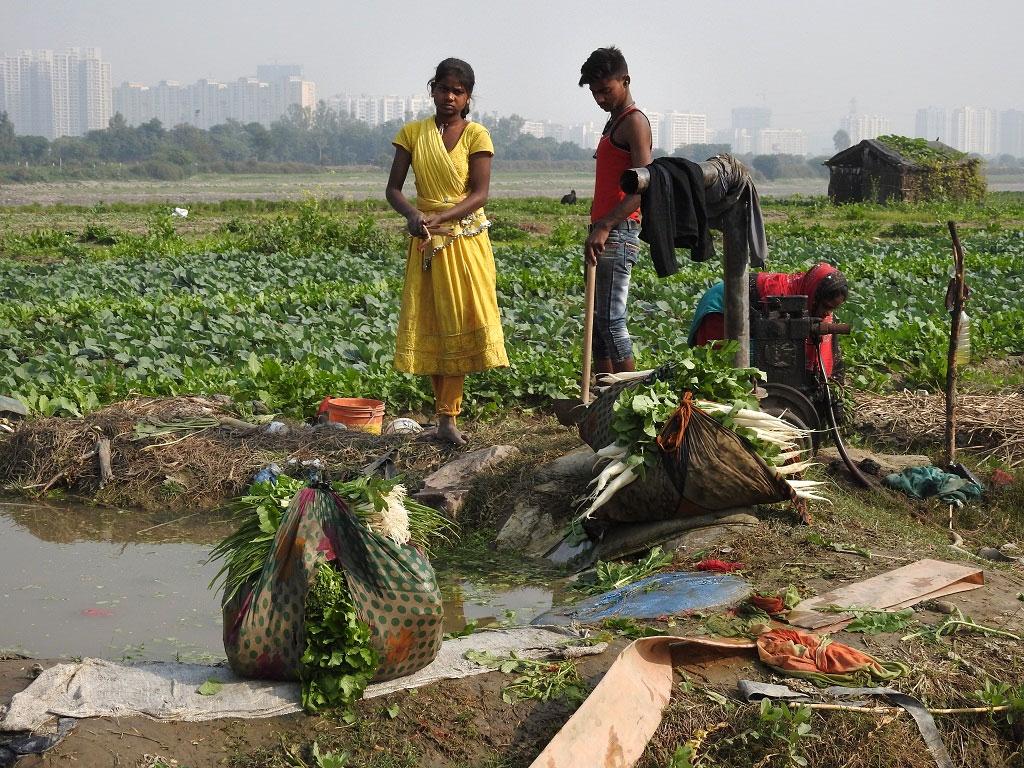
point(824, 286)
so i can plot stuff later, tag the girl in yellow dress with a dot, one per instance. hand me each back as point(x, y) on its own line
point(449, 324)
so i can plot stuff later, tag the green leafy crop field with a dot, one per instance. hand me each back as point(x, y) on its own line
point(286, 303)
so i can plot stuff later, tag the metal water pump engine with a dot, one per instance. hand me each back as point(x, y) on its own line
point(779, 330)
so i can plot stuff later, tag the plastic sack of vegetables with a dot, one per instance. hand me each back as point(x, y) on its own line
point(687, 439)
point(331, 593)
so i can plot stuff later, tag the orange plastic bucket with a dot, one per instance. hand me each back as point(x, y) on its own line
point(354, 412)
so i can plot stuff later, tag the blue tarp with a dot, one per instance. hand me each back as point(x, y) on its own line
point(664, 594)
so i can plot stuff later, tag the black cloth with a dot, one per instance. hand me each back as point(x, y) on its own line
point(674, 213)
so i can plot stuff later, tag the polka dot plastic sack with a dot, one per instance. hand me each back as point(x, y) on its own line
point(393, 588)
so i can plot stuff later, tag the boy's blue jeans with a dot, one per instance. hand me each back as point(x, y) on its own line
point(614, 267)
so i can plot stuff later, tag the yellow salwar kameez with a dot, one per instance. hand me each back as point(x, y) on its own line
point(449, 324)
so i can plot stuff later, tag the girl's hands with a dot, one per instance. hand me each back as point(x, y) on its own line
point(426, 226)
point(415, 223)
point(434, 224)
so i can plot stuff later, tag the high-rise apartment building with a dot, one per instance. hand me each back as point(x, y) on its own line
point(1011, 132)
point(392, 108)
point(134, 102)
point(861, 127)
point(94, 104)
point(287, 88)
point(741, 141)
point(781, 141)
point(210, 105)
point(249, 100)
point(973, 130)
point(932, 123)
point(56, 94)
point(655, 119)
point(207, 103)
point(533, 128)
point(419, 105)
point(376, 110)
point(172, 104)
point(681, 128)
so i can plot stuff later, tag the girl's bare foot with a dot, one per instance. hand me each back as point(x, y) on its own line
point(447, 431)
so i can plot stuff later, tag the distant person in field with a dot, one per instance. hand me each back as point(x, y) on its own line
point(613, 243)
point(824, 286)
point(449, 324)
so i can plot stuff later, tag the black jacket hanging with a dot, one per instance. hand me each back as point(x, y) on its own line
point(674, 213)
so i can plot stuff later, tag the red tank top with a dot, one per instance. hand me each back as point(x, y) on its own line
point(612, 161)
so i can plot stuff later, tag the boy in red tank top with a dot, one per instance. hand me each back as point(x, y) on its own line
point(613, 244)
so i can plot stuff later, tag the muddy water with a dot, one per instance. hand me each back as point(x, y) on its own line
point(115, 584)
point(79, 581)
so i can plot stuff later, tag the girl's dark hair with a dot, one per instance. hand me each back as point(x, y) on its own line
point(831, 286)
point(602, 64)
point(461, 71)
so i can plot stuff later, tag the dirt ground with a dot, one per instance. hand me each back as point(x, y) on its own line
point(458, 724)
point(349, 184)
point(466, 722)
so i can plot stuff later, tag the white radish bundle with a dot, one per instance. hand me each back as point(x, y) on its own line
point(623, 467)
point(617, 475)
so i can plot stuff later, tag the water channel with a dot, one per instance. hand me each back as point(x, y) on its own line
point(81, 581)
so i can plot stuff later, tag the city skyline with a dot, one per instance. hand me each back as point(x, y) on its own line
point(791, 56)
point(57, 93)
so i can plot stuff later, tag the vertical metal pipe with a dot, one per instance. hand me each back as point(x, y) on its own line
point(737, 282)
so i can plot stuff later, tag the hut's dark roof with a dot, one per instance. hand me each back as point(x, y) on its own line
point(853, 156)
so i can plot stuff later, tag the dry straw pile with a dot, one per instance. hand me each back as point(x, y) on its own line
point(199, 457)
point(992, 425)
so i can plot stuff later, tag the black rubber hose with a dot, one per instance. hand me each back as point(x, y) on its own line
point(858, 476)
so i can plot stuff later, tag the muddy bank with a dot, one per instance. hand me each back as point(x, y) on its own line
point(467, 723)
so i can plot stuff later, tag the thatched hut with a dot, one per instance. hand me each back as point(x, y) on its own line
point(903, 169)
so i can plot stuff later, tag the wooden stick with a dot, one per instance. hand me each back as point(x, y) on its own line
point(103, 455)
point(588, 330)
point(137, 735)
point(166, 522)
point(954, 333)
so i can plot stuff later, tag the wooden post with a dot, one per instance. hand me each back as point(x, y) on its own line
point(103, 457)
point(588, 329)
point(737, 283)
point(955, 304)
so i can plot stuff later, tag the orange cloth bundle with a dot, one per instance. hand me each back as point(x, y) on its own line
point(822, 660)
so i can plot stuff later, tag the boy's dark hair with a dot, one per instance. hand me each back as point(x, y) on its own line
point(461, 71)
point(603, 63)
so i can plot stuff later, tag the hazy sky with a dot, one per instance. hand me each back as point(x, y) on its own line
point(805, 60)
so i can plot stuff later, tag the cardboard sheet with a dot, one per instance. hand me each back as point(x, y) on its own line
point(892, 590)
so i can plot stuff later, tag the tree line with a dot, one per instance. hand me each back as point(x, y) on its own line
point(302, 138)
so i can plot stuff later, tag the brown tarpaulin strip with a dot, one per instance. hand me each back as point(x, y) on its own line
point(612, 727)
